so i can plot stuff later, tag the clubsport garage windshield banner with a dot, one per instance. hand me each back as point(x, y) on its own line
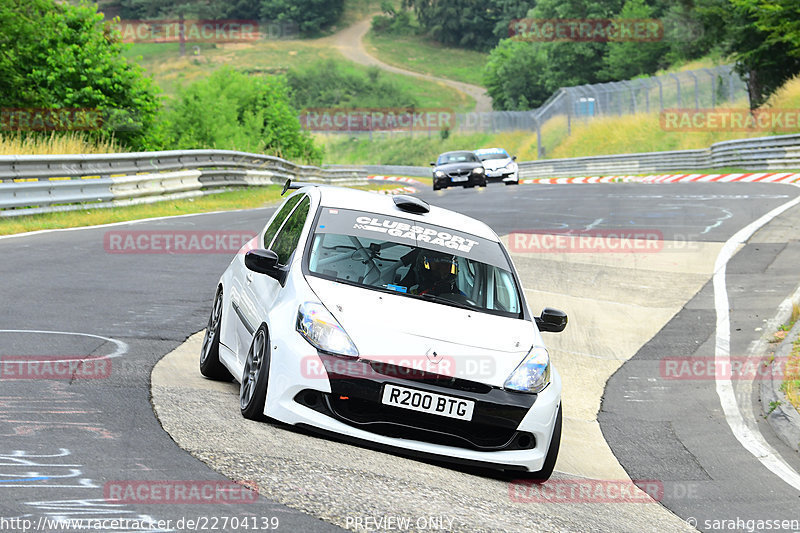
point(411, 233)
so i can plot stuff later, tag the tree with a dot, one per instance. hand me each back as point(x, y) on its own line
point(512, 76)
point(627, 59)
point(761, 37)
point(311, 16)
point(231, 110)
point(61, 56)
point(476, 24)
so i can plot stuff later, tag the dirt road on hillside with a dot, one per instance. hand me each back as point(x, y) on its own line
point(350, 43)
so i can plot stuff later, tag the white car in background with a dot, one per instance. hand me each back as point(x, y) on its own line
point(391, 323)
point(499, 165)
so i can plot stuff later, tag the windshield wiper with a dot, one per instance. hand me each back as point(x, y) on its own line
point(441, 300)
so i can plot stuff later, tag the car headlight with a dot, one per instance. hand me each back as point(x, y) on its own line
point(512, 166)
point(319, 327)
point(532, 374)
point(478, 170)
point(438, 174)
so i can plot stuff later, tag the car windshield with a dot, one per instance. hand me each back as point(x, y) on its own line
point(493, 155)
point(457, 157)
point(413, 260)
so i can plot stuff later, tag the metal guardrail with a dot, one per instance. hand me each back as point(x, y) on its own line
point(763, 153)
point(39, 184)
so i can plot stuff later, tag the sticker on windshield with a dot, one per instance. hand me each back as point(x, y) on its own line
point(415, 233)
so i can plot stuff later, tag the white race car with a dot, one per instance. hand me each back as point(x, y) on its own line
point(390, 323)
point(499, 165)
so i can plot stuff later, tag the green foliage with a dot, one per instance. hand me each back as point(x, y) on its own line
point(233, 111)
point(311, 16)
point(394, 22)
point(474, 24)
point(764, 38)
point(201, 9)
point(628, 59)
point(513, 76)
point(328, 84)
point(62, 56)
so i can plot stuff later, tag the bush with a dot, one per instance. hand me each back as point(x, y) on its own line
point(328, 84)
point(396, 23)
point(233, 111)
point(59, 56)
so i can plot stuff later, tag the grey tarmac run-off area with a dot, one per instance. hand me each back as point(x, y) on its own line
point(618, 305)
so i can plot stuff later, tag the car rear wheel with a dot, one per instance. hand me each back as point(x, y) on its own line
point(253, 387)
point(210, 365)
point(552, 453)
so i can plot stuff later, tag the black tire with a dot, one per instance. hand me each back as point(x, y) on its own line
point(552, 454)
point(210, 365)
point(253, 386)
point(436, 187)
point(483, 184)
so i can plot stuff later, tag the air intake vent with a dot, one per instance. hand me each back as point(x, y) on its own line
point(411, 204)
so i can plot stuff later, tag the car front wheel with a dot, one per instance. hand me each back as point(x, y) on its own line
point(253, 387)
point(210, 365)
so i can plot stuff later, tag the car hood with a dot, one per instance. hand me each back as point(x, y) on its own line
point(406, 331)
point(494, 164)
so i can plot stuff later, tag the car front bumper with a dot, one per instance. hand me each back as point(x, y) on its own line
point(502, 175)
point(508, 430)
point(447, 181)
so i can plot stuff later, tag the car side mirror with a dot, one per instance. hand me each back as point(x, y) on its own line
point(265, 262)
point(433, 164)
point(513, 158)
point(552, 320)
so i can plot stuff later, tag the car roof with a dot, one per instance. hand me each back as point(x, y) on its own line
point(456, 152)
point(383, 204)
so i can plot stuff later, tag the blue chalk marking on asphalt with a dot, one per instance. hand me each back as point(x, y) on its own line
point(41, 478)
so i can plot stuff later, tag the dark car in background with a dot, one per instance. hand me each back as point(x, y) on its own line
point(458, 169)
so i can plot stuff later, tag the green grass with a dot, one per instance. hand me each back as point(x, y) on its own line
point(169, 70)
point(247, 198)
point(418, 54)
point(356, 10)
point(420, 149)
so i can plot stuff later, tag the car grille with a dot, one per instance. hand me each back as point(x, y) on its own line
point(421, 376)
point(459, 173)
point(401, 423)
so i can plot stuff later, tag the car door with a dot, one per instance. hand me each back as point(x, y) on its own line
point(260, 290)
point(240, 327)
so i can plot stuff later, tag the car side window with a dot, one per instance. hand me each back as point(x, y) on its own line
point(276, 223)
point(286, 241)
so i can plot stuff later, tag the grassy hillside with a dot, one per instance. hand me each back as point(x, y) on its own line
point(420, 150)
point(164, 64)
point(610, 135)
point(418, 54)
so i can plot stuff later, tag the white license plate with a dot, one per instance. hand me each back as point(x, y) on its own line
point(428, 402)
point(460, 178)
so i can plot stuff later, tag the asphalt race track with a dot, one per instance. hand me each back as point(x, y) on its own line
point(71, 294)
